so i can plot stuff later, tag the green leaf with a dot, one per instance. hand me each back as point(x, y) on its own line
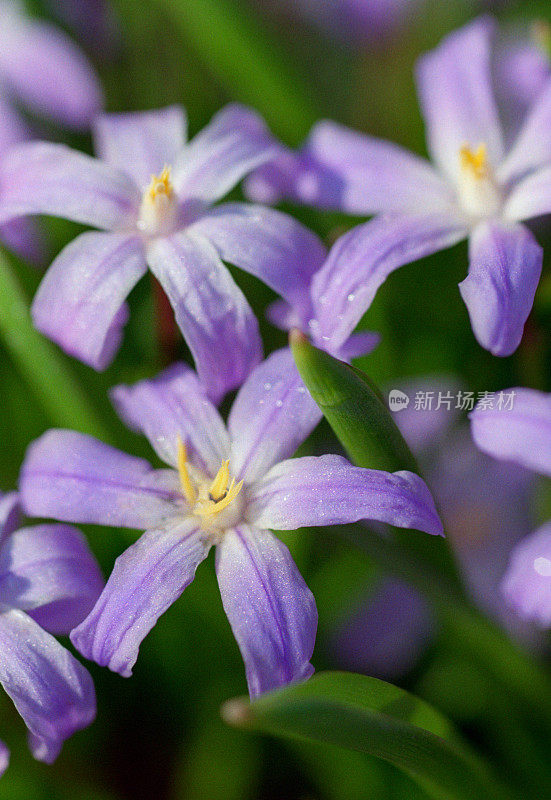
point(354, 408)
point(370, 716)
point(43, 368)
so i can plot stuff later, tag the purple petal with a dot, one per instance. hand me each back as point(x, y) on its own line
point(12, 127)
point(527, 583)
point(93, 22)
point(357, 345)
point(45, 750)
point(210, 309)
point(171, 406)
point(386, 634)
point(52, 179)
point(504, 272)
point(328, 490)
point(271, 245)
point(521, 434)
point(10, 512)
point(141, 143)
point(425, 426)
point(531, 197)
point(361, 260)
point(146, 579)
point(24, 238)
point(4, 758)
point(271, 416)
point(42, 66)
point(455, 89)
point(80, 302)
point(232, 145)
point(48, 571)
point(375, 175)
point(270, 609)
point(532, 147)
point(53, 692)
point(72, 477)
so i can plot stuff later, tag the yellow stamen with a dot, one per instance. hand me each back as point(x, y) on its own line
point(475, 161)
point(220, 484)
point(185, 481)
point(160, 184)
point(210, 508)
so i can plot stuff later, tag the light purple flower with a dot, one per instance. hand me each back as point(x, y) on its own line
point(474, 189)
point(225, 486)
point(44, 70)
point(486, 509)
point(152, 193)
point(49, 581)
point(523, 435)
point(354, 21)
point(522, 71)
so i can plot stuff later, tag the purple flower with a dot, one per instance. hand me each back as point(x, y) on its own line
point(93, 21)
point(151, 194)
point(49, 581)
point(486, 510)
point(522, 70)
point(474, 189)
point(354, 21)
point(523, 435)
point(225, 486)
point(44, 70)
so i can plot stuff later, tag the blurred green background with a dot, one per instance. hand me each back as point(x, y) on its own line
point(159, 734)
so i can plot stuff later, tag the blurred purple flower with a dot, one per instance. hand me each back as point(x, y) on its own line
point(225, 487)
point(523, 435)
point(44, 70)
point(93, 21)
point(522, 71)
point(354, 21)
point(485, 507)
point(152, 193)
point(49, 581)
point(475, 190)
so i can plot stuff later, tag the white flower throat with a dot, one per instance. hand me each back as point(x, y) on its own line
point(159, 206)
point(217, 502)
point(479, 193)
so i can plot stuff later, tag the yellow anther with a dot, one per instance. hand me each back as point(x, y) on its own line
point(160, 185)
point(185, 481)
point(475, 162)
point(219, 486)
point(207, 509)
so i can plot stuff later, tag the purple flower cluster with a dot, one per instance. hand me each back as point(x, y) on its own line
point(151, 195)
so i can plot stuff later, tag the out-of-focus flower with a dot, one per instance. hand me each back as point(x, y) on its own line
point(522, 70)
point(152, 193)
point(49, 581)
point(93, 21)
point(475, 189)
point(40, 68)
point(523, 435)
point(225, 487)
point(44, 70)
point(485, 506)
point(353, 21)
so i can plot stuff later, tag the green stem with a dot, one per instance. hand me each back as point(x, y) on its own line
point(245, 60)
point(38, 362)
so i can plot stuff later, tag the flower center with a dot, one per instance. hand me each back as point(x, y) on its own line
point(213, 501)
point(158, 207)
point(479, 193)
